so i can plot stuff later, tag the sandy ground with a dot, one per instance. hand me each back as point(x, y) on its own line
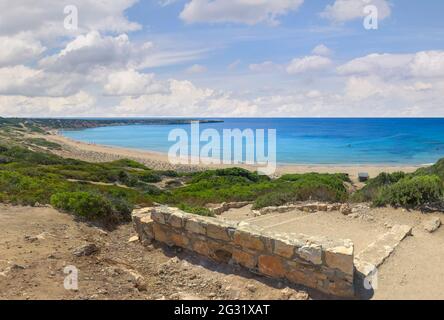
point(36, 244)
point(100, 153)
point(414, 271)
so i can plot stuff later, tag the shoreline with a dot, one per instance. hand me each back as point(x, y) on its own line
point(159, 161)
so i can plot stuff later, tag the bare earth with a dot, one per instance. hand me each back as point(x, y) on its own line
point(38, 243)
point(99, 153)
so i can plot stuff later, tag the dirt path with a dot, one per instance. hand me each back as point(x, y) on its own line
point(416, 269)
point(36, 244)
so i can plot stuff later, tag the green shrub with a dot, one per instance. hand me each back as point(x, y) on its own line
point(5, 160)
point(436, 169)
point(274, 199)
point(84, 204)
point(234, 174)
point(149, 189)
point(373, 186)
point(411, 192)
point(150, 177)
point(303, 190)
point(44, 143)
point(24, 155)
point(127, 163)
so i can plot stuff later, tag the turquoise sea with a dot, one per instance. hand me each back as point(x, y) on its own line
point(305, 141)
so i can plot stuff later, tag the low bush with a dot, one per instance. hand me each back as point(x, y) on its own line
point(93, 206)
point(373, 186)
point(436, 169)
point(411, 192)
point(83, 204)
point(44, 143)
point(328, 189)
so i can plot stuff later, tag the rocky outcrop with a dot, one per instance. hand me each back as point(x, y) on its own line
point(314, 262)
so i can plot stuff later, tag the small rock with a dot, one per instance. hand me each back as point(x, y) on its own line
point(251, 287)
point(184, 296)
point(15, 267)
point(345, 209)
point(388, 225)
point(286, 293)
point(299, 296)
point(432, 224)
point(86, 250)
point(31, 238)
point(103, 291)
point(133, 239)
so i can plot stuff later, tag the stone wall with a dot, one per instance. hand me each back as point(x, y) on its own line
point(219, 209)
point(305, 207)
point(314, 262)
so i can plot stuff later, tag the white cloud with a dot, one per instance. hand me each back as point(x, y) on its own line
point(22, 80)
point(74, 105)
point(185, 99)
point(308, 63)
point(132, 83)
point(266, 66)
point(234, 64)
point(376, 64)
point(44, 18)
point(94, 50)
point(196, 68)
point(428, 64)
point(19, 49)
point(322, 50)
point(237, 11)
point(346, 10)
point(420, 64)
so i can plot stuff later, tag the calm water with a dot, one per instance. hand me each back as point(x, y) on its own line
point(306, 141)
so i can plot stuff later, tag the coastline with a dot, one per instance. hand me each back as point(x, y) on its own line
point(159, 161)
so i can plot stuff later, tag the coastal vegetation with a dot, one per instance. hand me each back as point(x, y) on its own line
point(109, 191)
point(417, 190)
point(31, 174)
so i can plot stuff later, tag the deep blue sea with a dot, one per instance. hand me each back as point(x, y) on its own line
point(305, 141)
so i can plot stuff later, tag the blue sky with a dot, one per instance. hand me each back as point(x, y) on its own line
point(223, 58)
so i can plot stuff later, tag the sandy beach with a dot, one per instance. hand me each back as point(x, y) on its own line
point(100, 153)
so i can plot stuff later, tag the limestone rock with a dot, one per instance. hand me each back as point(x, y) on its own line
point(86, 250)
point(345, 209)
point(432, 224)
point(133, 239)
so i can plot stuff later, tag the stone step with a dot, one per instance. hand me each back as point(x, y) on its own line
point(376, 253)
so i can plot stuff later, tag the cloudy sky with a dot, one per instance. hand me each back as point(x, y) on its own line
point(221, 58)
